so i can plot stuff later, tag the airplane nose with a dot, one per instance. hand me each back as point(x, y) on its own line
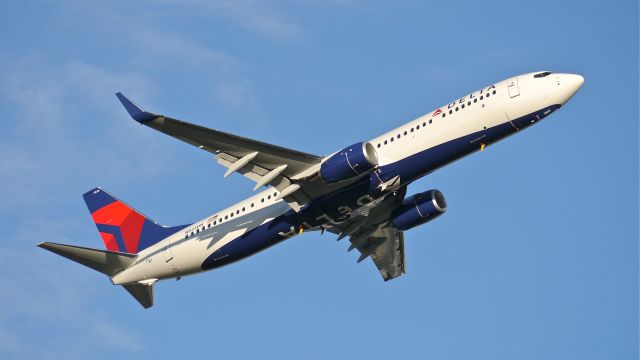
point(569, 85)
point(575, 81)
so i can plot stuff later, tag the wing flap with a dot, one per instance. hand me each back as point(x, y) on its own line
point(385, 246)
point(389, 256)
point(257, 173)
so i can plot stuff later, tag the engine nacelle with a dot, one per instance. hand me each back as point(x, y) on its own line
point(350, 162)
point(418, 209)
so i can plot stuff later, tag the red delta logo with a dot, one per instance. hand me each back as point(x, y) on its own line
point(120, 227)
point(436, 113)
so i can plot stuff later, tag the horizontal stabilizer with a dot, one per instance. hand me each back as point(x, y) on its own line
point(104, 261)
point(134, 110)
point(142, 292)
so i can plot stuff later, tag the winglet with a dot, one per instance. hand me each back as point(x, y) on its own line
point(134, 110)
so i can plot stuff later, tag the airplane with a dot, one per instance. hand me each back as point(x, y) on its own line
point(358, 192)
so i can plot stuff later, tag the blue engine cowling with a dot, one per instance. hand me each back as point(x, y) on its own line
point(418, 209)
point(352, 161)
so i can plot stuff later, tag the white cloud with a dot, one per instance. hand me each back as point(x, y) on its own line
point(63, 124)
point(55, 299)
point(50, 107)
point(257, 16)
point(9, 343)
point(117, 336)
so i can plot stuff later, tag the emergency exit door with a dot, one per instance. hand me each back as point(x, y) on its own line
point(512, 86)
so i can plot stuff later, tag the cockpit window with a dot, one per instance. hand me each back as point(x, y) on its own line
point(542, 74)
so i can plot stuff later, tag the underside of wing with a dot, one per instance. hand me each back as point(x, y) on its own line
point(236, 147)
point(371, 233)
point(266, 164)
point(386, 247)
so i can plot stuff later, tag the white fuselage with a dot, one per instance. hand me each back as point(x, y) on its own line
point(510, 104)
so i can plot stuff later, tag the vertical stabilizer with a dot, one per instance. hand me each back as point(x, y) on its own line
point(121, 227)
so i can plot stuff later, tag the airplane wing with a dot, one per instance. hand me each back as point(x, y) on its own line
point(386, 247)
point(263, 163)
point(372, 234)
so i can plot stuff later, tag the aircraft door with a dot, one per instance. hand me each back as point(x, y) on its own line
point(166, 251)
point(512, 86)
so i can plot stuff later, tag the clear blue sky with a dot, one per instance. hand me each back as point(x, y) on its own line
point(537, 257)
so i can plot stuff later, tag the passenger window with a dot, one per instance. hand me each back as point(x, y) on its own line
point(463, 106)
point(262, 200)
point(411, 129)
point(450, 112)
point(475, 101)
point(424, 124)
point(443, 115)
point(237, 212)
point(456, 108)
point(481, 97)
point(488, 94)
point(398, 136)
point(405, 133)
point(385, 142)
point(226, 217)
point(469, 103)
point(430, 121)
point(494, 92)
point(378, 144)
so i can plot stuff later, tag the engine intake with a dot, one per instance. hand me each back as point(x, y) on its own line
point(418, 209)
point(348, 163)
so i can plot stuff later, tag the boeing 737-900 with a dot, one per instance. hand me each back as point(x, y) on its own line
point(358, 192)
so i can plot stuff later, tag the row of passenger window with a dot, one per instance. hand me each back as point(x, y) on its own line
point(229, 215)
point(444, 114)
point(475, 100)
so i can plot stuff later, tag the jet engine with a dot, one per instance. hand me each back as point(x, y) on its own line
point(418, 209)
point(350, 162)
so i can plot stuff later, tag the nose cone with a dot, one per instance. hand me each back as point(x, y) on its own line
point(574, 82)
point(569, 85)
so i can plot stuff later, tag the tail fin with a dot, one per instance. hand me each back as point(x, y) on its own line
point(121, 227)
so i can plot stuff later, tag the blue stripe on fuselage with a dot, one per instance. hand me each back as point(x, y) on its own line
point(332, 206)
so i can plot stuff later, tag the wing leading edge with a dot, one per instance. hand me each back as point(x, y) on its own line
point(263, 163)
point(293, 174)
